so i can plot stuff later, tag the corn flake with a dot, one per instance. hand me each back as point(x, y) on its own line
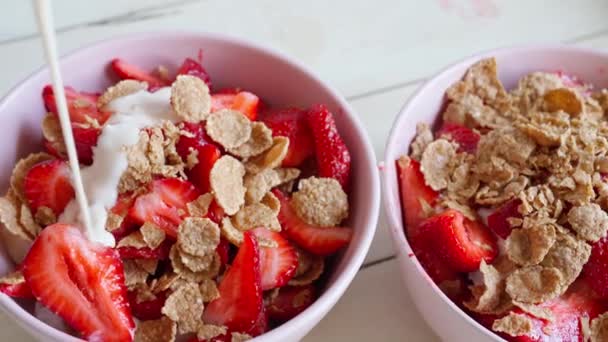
point(315, 268)
point(535, 284)
point(259, 141)
point(320, 201)
point(599, 328)
point(185, 307)
point(208, 331)
point(529, 246)
point(226, 179)
point(436, 163)
point(568, 255)
point(271, 158)
point(190, 98)
point(120, 89)
point(254, 216)
point(152, 235)
point(159, 330)
point(198, 236)
point(589, 221)
point(513, 324)
point(200, 206)
point(229, 128)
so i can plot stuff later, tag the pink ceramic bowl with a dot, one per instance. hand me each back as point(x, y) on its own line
point(449, 321)
point(230, 62)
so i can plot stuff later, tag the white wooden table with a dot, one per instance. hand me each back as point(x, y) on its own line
point(375, 52)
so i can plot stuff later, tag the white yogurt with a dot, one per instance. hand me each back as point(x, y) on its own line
point(100, 180)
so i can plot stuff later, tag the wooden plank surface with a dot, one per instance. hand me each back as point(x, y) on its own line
point(375, 53)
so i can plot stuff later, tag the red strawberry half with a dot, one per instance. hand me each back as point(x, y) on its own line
point(85, 139)
point(333, 157)
point(193, 68)
point(317, 240)
point(277, 264)
point(240, 304)
point(498, 221)
point(165, 205)
point(80, 105)
point(48, 184)
point(414, 192)
point(466, 138)
point(242, 101)
point(291, 123)
point(460, 242)
point(290, 301)
point(81, 281)
point(148, 310)
point(130, 72)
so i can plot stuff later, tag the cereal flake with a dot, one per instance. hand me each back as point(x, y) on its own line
point(198, 236)
point(534, 284)
point(185, 307)
point(226, 179)
point(259, 141)
point(159, 330)
point(271, 158)
point(513, 324)
point(190, 98)
point(589, 221)
point(320, 201)
point(120, 89)
point(229, 128)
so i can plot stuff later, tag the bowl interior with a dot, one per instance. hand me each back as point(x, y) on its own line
point(588, 65)
point(231, 63)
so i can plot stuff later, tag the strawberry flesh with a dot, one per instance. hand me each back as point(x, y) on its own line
point(290, 302)
point(85, 139)
point(165, 205)
point(242, 101)
point(466, 138)
point(321, 241)
point(291, 123)
point(48, 184)
point(462, 243)
point(595, 270)
point(81, 281)
point(414, 192)
point(193, 68)
point(333, 157)
point(19, 290)
point(80, 105)
point(207, 154)
point(127, 71)
point(240, 303)
point(159, 253)
point(498, 221)
point(147, 310)
point(277, 264)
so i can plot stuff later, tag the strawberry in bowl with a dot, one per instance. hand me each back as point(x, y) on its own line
point(214, 213)
point(503, 207)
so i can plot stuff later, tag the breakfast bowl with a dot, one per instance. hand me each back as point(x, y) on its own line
point(450, 320)
point(230, 62)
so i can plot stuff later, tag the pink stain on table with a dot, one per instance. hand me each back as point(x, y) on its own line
point(471, 8)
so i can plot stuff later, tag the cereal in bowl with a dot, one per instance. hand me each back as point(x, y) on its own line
point(212, 213)
point(535, 159)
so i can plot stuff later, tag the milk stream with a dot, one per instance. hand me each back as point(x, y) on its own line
point(100, 179)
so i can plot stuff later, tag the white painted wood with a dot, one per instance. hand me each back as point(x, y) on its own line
point(381, 48)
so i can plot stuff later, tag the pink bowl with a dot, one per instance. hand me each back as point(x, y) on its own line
point(447, 320)
point(230, 62)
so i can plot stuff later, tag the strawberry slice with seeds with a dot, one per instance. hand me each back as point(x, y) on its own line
point(461, 243)
point(165, 205)
point(127, 71)
point(291, 123)
point(48, 184)
point(81, 106)
point(314, 239)
point(333, 157)
point(240, 303)
point(414, 193)
point(242, 101)
point(424, 245)
point(147, 310)
point(290, 302)
point(85, 139)
point(498, 221)
point(193, 68)
point(466, 138)
point(81, 281)
point(207, 154)
point(277, 264)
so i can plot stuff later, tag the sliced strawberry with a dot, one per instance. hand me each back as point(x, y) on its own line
point(595, 270)
point(317, 240)
point(460, 242)
point(130, 72)
point(207, 154)
point(198, 138)
point(193, 68)
point(333, 157)
point(121, 208)
point(48, 184)
point(240, 303)
point(148, 310)
point(291, 123)
point(498, 221)
point(159, 253)
point(85, 139)
point(414, 192)
point(567, 311)
point(81, 281)
point(18, 290)
point(424, 245)
point(215, 213)
point(277, 264)
point(243, 101)
point(165, 205)
point(80, 105)
point(466, 138)
point(290, 302)
point(53, 149)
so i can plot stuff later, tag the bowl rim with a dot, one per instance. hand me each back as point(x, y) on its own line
point(368, 224)
point(394, 219)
